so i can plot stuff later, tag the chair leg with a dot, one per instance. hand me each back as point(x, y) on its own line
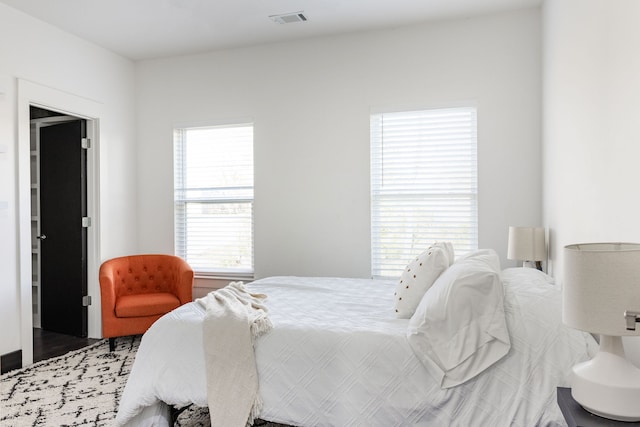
point(112, 344)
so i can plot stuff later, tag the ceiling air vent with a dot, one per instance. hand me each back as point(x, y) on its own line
point(288, 18)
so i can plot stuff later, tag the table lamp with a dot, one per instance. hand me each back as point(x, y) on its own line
point(527, 244)
point(601, 295)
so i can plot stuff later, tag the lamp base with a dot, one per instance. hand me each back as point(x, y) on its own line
point(608, 385)
point(535, 264)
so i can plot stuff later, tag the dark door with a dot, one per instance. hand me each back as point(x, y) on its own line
point(63, 204)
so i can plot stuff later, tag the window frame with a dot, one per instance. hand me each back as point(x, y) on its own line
point(379, 267)
point(180, 170)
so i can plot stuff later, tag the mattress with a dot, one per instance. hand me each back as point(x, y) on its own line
point(337, 356)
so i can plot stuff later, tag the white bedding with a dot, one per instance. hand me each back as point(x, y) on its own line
point(337, 356)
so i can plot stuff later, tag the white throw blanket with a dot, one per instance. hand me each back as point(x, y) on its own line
point(234, 319)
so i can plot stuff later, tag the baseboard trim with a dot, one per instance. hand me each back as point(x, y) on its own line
point(10, 361)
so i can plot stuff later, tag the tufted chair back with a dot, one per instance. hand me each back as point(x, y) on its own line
point(137, 290)
point(146, 274)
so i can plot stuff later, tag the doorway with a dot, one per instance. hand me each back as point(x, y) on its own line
point(59, 222)
point(34, 94)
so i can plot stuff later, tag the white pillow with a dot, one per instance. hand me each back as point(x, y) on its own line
point(459, 328)
point(419, 275)
point(447, 247)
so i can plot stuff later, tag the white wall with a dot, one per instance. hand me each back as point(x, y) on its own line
point(310, 102)
point(591, 132)
point(591, 114)
point(34, 51)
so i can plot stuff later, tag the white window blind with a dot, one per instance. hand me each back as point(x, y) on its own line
point(214, 198)
point(423, 185)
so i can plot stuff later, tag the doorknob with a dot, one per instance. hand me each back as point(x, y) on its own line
point(41, 237)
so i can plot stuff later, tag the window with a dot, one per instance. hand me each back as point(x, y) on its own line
point(423, 185)
point(214, 198)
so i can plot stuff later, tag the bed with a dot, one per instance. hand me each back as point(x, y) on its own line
point(338, 356)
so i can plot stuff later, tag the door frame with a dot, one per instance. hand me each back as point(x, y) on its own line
point(30, 93)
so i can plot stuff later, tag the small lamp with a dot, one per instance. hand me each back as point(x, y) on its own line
point(527, 244)
point(601, 295)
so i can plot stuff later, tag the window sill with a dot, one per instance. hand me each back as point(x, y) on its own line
point(203, 284)
point(224, 276)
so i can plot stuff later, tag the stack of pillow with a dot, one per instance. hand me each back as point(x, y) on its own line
point(457, 325)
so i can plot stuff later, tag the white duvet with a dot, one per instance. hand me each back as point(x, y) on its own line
point(337, 356)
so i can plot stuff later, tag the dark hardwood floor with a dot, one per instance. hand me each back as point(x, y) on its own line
point(46, 345)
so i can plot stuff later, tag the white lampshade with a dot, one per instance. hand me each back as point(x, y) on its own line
point(601, 294)
point(601, 281)
point(527, 244)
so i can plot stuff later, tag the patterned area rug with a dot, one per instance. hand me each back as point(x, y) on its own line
point(81, 388)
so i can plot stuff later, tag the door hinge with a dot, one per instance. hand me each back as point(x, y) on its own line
point(86, 143)
point(86, 300)
point(86, 221)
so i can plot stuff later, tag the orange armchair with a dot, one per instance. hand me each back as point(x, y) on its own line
point(137, 290)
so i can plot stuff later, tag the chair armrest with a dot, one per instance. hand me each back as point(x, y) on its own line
point(184, 285)
point(107, 290)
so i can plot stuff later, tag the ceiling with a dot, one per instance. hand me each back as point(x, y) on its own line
point(145, 29)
